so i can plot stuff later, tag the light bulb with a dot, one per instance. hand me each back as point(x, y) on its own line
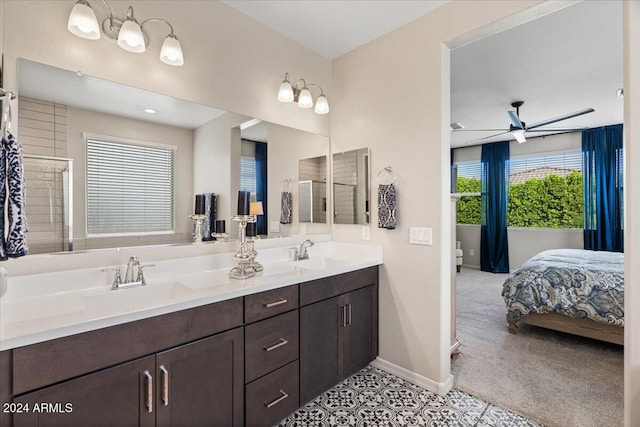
point(171, 52)
point(83, 22)
point(322, 105)
point(304, 99)
point(285, 94)
point(130, 37)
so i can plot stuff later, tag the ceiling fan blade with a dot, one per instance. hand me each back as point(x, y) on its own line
point(517, 124)
point(486, 137)
point(560, 118)
point(558, 129)
point(479, 130)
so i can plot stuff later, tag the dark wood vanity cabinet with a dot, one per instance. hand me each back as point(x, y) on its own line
point(338, 335)
point(247, 361)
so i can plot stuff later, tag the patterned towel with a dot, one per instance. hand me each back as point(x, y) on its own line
point(16, 245)
point(387, 206)
point(286, 206)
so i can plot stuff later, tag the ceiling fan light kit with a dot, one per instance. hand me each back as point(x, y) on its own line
point(518, 128)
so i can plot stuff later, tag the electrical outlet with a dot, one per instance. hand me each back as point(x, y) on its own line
point(303, 228)
point(366, 233)
point(472, 252)
point(274, 226)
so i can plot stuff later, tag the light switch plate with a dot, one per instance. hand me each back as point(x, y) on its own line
point(274, 226)
point(421, 236)
point(303, 228)
point(366, 233)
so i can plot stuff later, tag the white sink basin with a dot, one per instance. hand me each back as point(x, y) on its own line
point(127, 300)
point(318, 263)
point(285, 267)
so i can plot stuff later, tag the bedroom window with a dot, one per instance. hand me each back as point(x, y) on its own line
point(130, 187)
point(468, 181)
point(545, 191)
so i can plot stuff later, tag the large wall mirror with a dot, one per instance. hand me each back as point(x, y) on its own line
point(351, 187)
point(107, 165)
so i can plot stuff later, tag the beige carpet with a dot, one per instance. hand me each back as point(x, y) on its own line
point(556, 379)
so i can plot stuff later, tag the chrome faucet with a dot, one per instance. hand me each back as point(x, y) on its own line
point(134, 269)
point(133, 263)
point(302, 251)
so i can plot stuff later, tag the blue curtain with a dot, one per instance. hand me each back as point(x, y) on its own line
point(494, 248)
point(603, 188)
point(261, 184)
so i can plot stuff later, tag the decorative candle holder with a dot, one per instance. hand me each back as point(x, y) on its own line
point(220, 237)
point(199, 222)
point(243, 269)
point(251, 249)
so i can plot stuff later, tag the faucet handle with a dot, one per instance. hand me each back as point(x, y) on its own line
point(117, 280)
point(140, 277)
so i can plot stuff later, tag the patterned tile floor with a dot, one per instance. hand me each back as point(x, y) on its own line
point(376, 398)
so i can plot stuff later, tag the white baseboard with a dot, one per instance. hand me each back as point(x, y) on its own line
point(424, 382)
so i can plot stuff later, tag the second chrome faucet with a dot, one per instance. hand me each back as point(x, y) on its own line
point(133, 277)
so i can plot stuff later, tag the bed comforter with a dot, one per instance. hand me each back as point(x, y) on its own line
point(573, 282)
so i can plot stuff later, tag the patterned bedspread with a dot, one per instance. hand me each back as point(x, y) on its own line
point(573, 282)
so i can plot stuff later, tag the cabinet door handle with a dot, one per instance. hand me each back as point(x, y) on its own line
point(276, 303)
point(349, 314)
point(277, 345)
point(344, 315)
point(149, 383)
point(165, 385)
point(278, 400)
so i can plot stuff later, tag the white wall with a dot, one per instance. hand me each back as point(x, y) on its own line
point(216, 162)
point(393, 95)
point(632, 207)
point(79, 121)
point(523, 242)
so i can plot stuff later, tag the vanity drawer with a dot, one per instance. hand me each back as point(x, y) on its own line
point(328, 287)
point(273, 397)
point(270, 344)
point(269, 303)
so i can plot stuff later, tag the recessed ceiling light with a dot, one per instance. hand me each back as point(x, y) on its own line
point(620, 93)
point(456, 126)
point(150, 110)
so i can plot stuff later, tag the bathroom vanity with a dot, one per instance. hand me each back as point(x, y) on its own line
point(250, 359)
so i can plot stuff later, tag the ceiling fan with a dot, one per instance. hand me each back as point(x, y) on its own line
point(518, 128)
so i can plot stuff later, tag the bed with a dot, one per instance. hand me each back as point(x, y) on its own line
point(570, 290)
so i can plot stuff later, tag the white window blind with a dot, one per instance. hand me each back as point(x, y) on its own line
point(248, 174)
point(130, 188)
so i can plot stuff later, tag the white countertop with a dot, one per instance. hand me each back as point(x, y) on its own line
point(45, 306)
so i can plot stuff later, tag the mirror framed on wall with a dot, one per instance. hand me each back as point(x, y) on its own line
point(352, 187)
point(58, 108)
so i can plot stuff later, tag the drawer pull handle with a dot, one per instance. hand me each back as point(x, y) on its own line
point(165, 385)
point(149, 388)
point(276, 303)
point(278, 345)
point(278, 400)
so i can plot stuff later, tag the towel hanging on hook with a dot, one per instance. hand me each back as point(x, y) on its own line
point(286, 201)
point(386, 199)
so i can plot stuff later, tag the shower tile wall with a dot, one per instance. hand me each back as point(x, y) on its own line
point(42, 128)
point(345, 180)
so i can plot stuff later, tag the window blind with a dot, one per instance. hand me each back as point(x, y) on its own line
point(130, 188)
point(248, 174)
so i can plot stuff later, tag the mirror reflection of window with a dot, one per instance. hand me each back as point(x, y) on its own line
point(253, 176)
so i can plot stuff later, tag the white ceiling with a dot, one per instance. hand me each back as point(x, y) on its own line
point(333, 28)
point(558, 64)
point(90, 93)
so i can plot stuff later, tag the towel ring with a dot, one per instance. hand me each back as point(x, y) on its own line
point(286, 185)
point(387, 171)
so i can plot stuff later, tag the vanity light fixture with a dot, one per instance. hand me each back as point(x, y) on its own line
point(301, 94)
point(128, 32)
